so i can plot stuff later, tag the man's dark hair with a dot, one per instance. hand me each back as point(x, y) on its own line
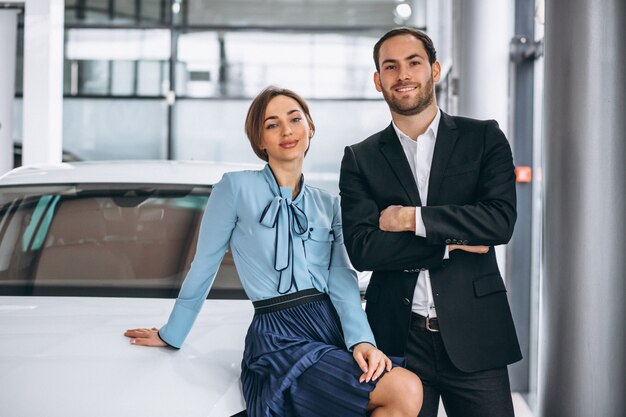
point(417, 34)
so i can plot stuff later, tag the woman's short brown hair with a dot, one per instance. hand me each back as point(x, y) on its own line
point(256, 116)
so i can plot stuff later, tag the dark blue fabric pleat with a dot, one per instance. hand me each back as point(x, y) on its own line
point(296, 365)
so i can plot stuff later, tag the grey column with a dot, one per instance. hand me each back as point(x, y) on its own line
point(8, 34)
point(582, 370)
point(488, 89)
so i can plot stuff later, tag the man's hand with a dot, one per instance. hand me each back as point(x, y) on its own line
point(372, 361)
point(397, 219)
point(145, 337)
point(472, 249)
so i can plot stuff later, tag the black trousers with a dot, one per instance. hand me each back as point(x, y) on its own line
point(476, 394)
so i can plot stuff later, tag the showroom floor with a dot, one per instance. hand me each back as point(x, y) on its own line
point(521, 409)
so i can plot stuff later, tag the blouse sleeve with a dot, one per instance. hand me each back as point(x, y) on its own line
point(343, 289)
point(216, 228)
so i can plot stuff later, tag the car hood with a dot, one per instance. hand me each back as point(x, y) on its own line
point(67, 356)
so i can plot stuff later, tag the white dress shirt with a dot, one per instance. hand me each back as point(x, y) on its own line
point(419, 153)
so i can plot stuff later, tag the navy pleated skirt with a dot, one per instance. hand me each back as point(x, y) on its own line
point(296, 363)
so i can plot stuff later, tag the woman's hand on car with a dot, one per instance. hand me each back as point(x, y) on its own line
point(372, 361)
point(145, 337)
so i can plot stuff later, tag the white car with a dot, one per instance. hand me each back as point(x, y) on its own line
point(90, 249)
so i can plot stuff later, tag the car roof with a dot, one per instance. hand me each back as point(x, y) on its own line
point(112, 172)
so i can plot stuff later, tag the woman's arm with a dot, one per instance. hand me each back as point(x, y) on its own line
point(343, 289)
point(218, 222)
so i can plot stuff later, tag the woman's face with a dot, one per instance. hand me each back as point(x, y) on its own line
point(286, 132)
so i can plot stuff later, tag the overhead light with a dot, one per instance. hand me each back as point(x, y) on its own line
point(403, 11)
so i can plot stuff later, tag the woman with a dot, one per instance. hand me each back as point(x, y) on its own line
point(309, 350)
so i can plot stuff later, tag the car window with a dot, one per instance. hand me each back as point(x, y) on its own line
point(135, 240)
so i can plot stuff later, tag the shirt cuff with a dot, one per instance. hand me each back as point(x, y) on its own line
point(420, 228)
point(164, 341)
point(351, 348)
point(446, 254)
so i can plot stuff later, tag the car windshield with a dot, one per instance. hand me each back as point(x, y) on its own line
point(130, 240)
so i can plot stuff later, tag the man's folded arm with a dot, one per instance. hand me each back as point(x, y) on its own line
point(491, 219)
point(370, 248)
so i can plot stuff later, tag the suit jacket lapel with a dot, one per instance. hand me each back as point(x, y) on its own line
point(447, 136)
point(392, 150)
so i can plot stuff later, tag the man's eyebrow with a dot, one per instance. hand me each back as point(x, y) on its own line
point(408, 58)
point(386, 61)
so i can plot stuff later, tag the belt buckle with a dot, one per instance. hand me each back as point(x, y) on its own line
point(430, 329)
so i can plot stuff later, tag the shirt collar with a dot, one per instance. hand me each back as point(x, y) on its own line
point(432, 129)
point(284, 192)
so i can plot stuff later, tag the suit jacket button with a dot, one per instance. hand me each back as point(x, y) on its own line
point(465, 242)
point(448, 241)
point(454, 241)
point(406, 301)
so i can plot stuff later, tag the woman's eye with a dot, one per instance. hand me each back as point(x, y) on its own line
point(296, 119)
point(272, 126)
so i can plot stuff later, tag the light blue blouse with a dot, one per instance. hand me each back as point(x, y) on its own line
point(279, 246)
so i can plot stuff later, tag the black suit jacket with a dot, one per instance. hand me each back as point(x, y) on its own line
point(471, 200)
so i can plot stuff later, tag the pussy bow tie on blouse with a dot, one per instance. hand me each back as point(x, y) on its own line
point(283, 215)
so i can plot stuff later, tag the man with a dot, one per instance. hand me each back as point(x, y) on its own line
point(423, 202)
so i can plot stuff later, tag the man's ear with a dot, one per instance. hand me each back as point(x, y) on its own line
point(377, 83)
point(436, 69)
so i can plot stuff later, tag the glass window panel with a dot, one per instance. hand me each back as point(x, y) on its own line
point(117, 62)
point(198, 64)
point(117, 44)
point(93, 77)
point(117, 12)
point(125, 10)
point(276, 58)
point(154, 11)
point(18, 105)
point(151, 78)
point(92, 11)
point(315, 65)
point(123, 77)
point(314, 13)
point(343, 66)
point(19, 61)
point(70, 76)
point(101, 129)
point(212, 130)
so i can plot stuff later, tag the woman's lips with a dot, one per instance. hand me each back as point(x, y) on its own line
point(289, 145)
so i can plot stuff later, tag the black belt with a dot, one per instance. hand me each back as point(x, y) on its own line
point(427, 323)
point(289, 300)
